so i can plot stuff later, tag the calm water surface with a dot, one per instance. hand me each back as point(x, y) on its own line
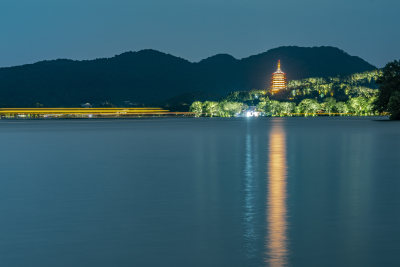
point(200, 192)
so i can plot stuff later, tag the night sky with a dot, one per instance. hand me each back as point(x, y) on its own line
point(33, 30)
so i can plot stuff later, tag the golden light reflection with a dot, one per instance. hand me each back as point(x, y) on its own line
point(276, 240)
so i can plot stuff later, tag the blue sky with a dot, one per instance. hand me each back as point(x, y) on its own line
point(33, 30)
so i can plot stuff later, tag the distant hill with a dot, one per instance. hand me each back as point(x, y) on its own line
point(149, 77)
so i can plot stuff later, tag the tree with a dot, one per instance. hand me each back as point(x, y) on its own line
point(287, 108)
point(342, 108)
point(308, 107)
point(357, 105)
point(229, 109)
point(273, 108)
point(211, 108)
point(330, 105)
point(394, 105)
point(196, 108)
point(389, 85)
point(370, 108)
point(261, 106)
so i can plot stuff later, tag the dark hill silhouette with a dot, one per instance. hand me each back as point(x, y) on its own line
point(151, 77)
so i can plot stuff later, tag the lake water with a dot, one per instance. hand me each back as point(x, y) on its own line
point(200, 192)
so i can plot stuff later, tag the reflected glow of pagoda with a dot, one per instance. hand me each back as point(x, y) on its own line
point(277, 240)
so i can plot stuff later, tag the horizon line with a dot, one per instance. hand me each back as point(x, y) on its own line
point(190, 61)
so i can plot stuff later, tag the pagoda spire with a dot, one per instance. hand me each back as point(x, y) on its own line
point(279, 65)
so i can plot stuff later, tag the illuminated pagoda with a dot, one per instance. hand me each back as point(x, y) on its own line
point(278, 81)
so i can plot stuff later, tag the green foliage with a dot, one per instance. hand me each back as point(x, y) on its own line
point(342, 108)
point(329, 105)
point(276, 108)
point(220, 109)
point(196, 108)
point(210, 108)
point(261, 106)
point(308, 107)
point(389, 85)
point(250, 98)
point(361, 106)
point(351, 95)
point(288, 108)
point(394, 105)
point(273, 108)
point(355, 85)
point(229, 109)
point(356, 105)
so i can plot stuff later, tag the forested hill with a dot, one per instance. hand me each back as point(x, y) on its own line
point(151, 77)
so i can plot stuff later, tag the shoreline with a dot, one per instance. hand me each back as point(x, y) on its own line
point(377, 118)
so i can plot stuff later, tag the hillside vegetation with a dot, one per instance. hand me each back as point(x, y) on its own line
point(343, 95)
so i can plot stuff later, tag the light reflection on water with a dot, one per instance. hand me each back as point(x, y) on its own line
point(250, 234)
point(276, 239)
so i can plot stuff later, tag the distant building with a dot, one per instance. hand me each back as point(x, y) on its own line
point(278, 81)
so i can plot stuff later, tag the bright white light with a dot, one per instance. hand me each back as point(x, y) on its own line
point(249, 114)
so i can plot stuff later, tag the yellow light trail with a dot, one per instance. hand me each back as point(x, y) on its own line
point(49, 112)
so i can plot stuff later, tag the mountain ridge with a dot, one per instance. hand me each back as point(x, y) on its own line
point(149, 76)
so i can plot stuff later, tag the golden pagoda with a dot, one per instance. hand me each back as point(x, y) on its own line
point(278, 81)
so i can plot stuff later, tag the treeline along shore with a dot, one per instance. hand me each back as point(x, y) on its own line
point(352, 95)
point(370, 93)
